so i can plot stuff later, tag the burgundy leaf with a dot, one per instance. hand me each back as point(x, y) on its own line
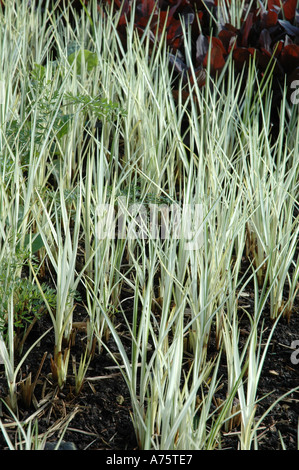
point(265, 40)
point(124, 10)
point(241, 56)
point(227, 37)
point(288, 6)
point(278, 46)
point(269, 18)
point(173, 29)
point(146, 7)
point(289, 57)
point(247, 27)
point(217, 60)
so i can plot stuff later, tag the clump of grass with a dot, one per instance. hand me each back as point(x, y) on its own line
point(135, 213)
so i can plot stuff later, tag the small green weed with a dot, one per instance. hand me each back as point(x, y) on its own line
point(28, 304)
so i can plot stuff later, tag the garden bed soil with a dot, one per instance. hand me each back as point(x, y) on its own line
point(101, 414)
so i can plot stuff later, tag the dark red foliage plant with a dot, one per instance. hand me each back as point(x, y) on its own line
point(268, 33)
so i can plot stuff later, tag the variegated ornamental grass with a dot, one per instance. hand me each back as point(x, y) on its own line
point(58, 170)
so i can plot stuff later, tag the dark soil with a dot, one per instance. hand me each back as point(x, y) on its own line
point(279, 376)
point(100, 414)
